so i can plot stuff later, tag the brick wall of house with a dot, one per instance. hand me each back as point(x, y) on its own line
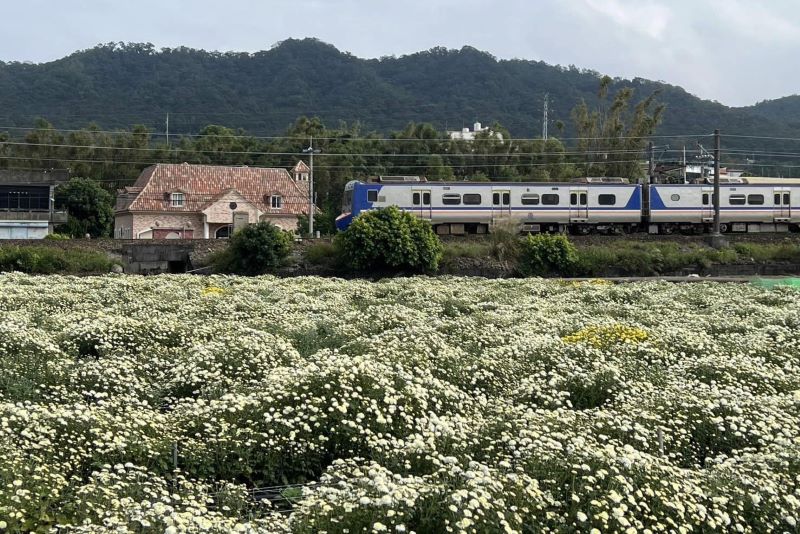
point(220, 211)
point(188, 221)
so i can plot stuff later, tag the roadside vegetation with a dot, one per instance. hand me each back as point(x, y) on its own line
point(52, 260)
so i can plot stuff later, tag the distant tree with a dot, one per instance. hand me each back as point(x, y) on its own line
point(616, 136)
point(90, 208)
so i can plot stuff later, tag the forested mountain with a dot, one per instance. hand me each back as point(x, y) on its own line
point(118, 85)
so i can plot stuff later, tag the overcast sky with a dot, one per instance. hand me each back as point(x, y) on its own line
point(735, 51)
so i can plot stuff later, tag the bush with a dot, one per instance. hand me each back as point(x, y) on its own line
point(256, 249)
point(547, 254)
point(90, 207)
point(325, 254)
point(57, 237)
point(47, 260)
point(389, 239)
point(504, 241)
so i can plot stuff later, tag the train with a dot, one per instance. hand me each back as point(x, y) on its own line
point(610, 206)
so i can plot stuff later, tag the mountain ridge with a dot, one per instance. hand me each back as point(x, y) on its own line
point(263, 92)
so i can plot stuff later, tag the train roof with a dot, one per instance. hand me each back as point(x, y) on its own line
point(487, 184)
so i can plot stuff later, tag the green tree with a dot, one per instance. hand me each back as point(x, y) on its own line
point(388, 239)
point(90, 208)
point(615, 136)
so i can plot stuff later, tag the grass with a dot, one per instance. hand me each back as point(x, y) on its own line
point(50, 260)
point(632, 258)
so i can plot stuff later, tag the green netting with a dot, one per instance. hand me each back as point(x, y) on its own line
point(774, 282)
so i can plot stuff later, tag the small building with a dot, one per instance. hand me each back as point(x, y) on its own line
point(184, 201)
point(27, 209)
point(466, 135)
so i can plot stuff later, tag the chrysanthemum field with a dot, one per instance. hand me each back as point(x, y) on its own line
point(223, 404)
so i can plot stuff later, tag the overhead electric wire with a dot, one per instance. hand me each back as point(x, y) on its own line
point(345, 137)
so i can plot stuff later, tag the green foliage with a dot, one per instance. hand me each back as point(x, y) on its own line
point(255, 249)
point(324, 253)
point(90, 208)
point(504, 241)
point(57, 237)
point(614, 133)
point(544, 254)
point(388, 239)
point(52, 260)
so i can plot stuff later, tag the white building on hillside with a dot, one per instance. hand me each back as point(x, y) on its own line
point(466, 135)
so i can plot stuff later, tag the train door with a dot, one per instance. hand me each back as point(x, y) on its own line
point(501, 204)
point(421, 202)
point(578, 205)
point(707, 204)
point(782, 209)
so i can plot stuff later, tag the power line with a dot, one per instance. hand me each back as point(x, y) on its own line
point(343, 138)
point(349, 154)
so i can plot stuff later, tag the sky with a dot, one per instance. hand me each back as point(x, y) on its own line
point(737, 52)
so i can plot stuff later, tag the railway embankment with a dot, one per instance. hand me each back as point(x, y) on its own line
point(485, 256)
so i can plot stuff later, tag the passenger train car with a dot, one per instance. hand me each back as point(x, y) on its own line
point(581, 208)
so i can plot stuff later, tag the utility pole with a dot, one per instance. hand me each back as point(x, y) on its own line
point(716, 240)
point(716, 183)
point(684, 164)
point(167, 130)
point(310, 151)
point(651, 161)
point(544, 117)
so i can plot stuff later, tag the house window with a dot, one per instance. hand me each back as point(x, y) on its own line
point(177, 200)
point(276, 202)
point(223, 232)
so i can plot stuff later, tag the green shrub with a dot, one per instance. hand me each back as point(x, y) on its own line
point(47, 260)
point(544, 254)
point(389, 239)
point(256, 249)
point(57, 237)
point(504, 241)
point(323, 253)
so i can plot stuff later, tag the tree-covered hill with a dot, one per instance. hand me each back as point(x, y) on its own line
point(117, 85)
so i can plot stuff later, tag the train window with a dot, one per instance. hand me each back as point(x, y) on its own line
point(530, 200)
point(472, 199)
point(573, 199)
point(755, 199)
point(705, 199)
point(550, 199)
point(675, 198)
point(415, 199)
point(786, 200)
point(496, 199)
point(372, 195)
point(506, 199)
point(426, 199)
point(737, 200)
point(583, 199)
point(607, 200)
point(777, 199)
point(451, 199)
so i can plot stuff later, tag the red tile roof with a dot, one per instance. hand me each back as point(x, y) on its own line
point(202, 184)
